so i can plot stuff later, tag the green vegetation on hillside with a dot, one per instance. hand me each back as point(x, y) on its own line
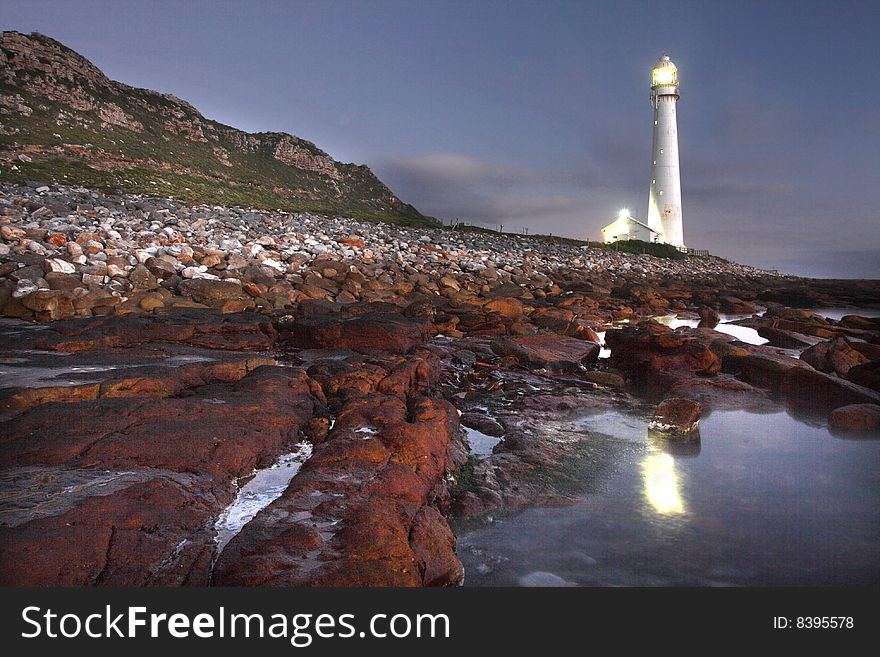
point(79, 150)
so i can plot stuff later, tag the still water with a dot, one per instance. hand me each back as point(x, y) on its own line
point(742, 333)
point(763, 500)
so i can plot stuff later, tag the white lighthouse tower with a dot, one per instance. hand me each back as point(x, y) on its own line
point(664, 200)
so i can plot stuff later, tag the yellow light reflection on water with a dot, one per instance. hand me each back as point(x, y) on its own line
point(661, 484)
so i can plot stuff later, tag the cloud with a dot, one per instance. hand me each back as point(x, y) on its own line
point(750, 212)
point(452, 185)
point(455, 168)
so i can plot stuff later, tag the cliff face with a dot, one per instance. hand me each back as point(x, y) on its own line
point(62, 119)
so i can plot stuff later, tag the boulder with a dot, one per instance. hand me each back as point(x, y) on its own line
point(677, 417)
point(654, 355)
point(834, 356)
point(371, 480)
point(736, 306)
point(808, 389)
point(508, 307)
point(372, 332)
point(855, 418)
point(482, 423)
point(723, 391)
point(59, 266)
point(867, 375)
point(50, 304)
point(785, 339)
point(548, 350)
point(160, 267)
point(859, 322)
point(761, 368)
point(709, 317)
point(203, 328)
point(142, 278)
point(205, 290)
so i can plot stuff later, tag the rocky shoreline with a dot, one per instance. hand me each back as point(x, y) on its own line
point(155, 355)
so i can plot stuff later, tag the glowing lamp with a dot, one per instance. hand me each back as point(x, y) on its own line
point(664, 74)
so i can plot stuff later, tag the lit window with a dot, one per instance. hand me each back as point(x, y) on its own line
point(653, 182)
point(661, 151)
point(655, 161)
point(661, 192)
point(655, 121)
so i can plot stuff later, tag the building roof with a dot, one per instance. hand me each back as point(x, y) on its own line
point(633, 220)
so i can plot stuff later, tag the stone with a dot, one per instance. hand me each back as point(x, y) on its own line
point(50, 304)
point(654, 355)
point(23, 288)
point(785, 339)
point(546, 350)
point(836, 355)
point(482, 423)
point(371, 332)
point(203, 290)
point(810, 390)
point(59, 281)
point(761, 368)
point(151, 302)
point(677, 417)
point(507, 307)
point(58, 265)
point(736, 306)
point(142, 278)
point(160, 267)
point(855, 418)
point(867, 375)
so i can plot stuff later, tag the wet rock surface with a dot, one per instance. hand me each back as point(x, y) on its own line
point(114, 473)
point(678, 418)
point(154, 355)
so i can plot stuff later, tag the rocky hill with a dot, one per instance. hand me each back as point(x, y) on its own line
point(62, 119)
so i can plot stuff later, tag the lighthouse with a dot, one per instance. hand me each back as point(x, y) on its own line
point(664, 199)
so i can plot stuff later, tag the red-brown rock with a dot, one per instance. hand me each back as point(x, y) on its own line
point(816, 391)
point(855, 418)
point(678, 418)
point(367, 491)
point(834, 356)
point(369, 333)
point(654, 354)
point(548, 350)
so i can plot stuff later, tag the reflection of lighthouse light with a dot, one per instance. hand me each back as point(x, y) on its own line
point(661, 484)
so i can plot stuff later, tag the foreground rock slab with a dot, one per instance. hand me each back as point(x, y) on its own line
point(115, 475)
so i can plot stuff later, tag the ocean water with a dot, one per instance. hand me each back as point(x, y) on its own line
point(741, 333)
point(763, 499)
point(480, 443)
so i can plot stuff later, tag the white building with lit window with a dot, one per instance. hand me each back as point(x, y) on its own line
point(626, 227)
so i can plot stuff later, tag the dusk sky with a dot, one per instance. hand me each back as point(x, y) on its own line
point(536, 113)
